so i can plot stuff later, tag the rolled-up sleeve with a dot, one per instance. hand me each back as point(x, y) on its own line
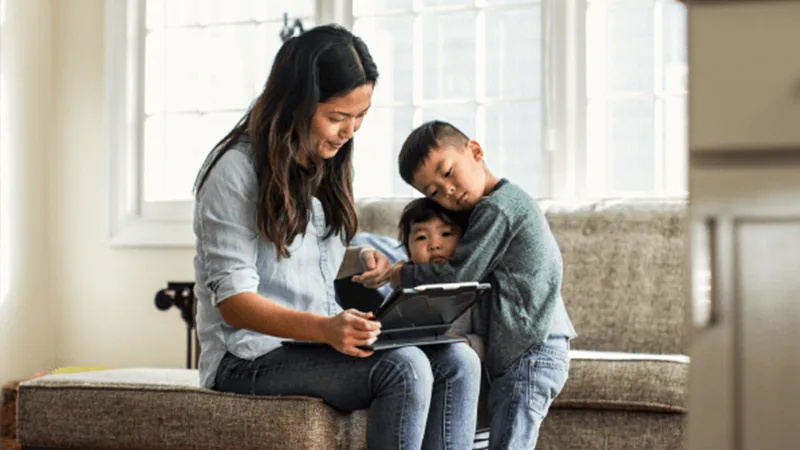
point(225, 227)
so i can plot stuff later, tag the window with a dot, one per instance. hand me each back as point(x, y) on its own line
point(204, 64)
point(477, 65)
point(636, 98)
point(570, 98)
point(180, 74)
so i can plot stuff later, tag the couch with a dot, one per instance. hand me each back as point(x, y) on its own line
point(625, 290)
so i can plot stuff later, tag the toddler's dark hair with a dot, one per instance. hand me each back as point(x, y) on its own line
point(421, 141)
point(423, 209)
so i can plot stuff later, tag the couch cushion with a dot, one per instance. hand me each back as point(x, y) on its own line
point(621, 381)
point(625, 284)
point(584, 429)
point(166, 409)
point(625, 381)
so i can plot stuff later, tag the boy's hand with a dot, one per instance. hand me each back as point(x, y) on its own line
point(376, 269)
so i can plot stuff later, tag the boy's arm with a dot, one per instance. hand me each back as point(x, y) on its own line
point(485, 241)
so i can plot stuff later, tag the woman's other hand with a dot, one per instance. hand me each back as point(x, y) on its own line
point(351, 329)
point(376, 269)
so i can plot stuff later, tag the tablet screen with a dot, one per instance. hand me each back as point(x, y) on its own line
point(423, 306)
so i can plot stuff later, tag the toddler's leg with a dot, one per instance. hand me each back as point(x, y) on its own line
point(454, 402)
point(520, 398)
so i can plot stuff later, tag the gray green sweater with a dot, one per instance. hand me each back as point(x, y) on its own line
point(509, 243)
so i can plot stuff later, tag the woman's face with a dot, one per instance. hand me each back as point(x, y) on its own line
point(337, 120)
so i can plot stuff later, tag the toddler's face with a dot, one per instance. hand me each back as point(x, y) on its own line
point(432, 241)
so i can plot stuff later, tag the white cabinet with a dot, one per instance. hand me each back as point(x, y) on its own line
point(744, 113)
point(744, 74)
point(770, 328)
point(745, 372)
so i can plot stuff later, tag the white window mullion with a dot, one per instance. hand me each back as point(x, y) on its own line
point(554, 181)
point(418, 66)
point(579, 97)
point(659, 157)
point(124, 105)
point(590, 168)
point(567, 103)
point(658, 49)
point(137, 70)
point(335, 11)
point(480, 76)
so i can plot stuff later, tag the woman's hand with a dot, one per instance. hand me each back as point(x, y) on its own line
point(350, 329)
point(376, 268)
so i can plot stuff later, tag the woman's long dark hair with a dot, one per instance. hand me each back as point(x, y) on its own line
point(320, 64)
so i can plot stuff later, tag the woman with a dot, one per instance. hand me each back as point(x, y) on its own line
point(274, 210)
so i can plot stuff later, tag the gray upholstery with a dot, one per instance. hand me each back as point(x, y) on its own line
point(142, 409)
point(587, 429)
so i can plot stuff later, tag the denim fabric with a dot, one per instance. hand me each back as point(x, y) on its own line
point(231, 258)
point(422, 397)
point(521, 396)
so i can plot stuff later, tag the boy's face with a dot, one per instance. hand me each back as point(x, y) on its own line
point(453, 177)
point(432, 241)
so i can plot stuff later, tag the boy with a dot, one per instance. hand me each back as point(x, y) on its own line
point(508, 242)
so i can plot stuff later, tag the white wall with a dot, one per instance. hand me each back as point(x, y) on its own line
point(28, 334)
point(74, 300)
point(107, 315)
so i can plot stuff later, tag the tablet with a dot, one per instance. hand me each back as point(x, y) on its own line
point(429, 304)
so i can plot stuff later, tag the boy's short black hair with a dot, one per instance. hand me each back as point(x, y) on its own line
point(423, 209)
point(421, 141)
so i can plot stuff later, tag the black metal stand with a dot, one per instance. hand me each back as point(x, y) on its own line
point(290, 30)
point(181, 295)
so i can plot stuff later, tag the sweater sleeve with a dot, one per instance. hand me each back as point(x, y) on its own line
point(480, 249)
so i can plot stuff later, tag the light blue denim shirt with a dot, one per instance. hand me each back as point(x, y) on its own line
point(232, 258)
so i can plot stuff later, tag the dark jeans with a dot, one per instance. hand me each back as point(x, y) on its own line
point(417, 397)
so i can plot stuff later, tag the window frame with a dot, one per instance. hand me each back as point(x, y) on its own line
point(5, 256)
point(129, 223)
point(132, 223)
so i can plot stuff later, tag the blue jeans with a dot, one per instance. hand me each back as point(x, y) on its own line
point(521, 396)
point(422, 397)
